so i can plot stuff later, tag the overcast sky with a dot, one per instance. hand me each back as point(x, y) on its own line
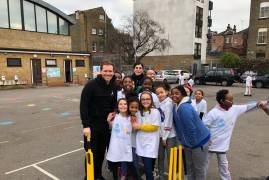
point(225, 11)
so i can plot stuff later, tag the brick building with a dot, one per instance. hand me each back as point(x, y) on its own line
point(258, 41)
point(91, 33)
point(35, 46)
point(228, 41)
point(186, 25)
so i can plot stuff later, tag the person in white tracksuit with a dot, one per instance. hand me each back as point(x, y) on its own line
point(248, 86)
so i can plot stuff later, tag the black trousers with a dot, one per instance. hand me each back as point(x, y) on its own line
point(98, 144)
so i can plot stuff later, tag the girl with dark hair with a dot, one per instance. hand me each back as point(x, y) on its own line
point(147, 137)
point(147, 85)
point(191, 132)
point(199, 103)
point(118, 80)
point(127, 88)
point(220, 121)
point(167, 131)
point(120, 146)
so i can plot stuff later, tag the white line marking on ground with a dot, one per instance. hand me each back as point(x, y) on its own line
point(30, 130)
point(45, 172)
point(40, 162)
point(3, 142)
point(68, 127)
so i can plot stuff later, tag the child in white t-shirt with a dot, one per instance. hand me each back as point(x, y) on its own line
point(221, 121)
point(120, 146)
point(248, 86)
point(147, 137)
point(199, 104)
point(147, 85)
point(167, 131)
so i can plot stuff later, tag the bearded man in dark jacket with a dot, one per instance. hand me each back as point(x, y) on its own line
point(98, 99)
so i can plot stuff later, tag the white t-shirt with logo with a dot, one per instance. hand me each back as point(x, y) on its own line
point(120, 146)
point(199, 107)
point(147, 143)
point(221, 124)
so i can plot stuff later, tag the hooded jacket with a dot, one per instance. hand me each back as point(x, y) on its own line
point(98, 99)
point(190, 130)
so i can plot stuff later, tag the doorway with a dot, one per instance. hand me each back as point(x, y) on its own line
point(36, 72)
point(68, 74)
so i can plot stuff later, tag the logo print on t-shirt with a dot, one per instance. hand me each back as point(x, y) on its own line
point(116, 128)
point(221, 123)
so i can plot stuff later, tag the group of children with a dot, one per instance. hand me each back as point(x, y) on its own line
point(143, 127)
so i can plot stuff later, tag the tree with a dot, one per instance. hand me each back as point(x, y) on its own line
point(230, 60)
point(139, 36)
point(260, 65)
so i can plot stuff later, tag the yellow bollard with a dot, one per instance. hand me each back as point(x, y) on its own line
point(175, 164)
point(180, 159)
point(171, 164)
point(89, 162)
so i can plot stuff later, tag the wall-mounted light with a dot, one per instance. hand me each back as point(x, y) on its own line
point(35, 55)
point(68, 57)
point(5, 53)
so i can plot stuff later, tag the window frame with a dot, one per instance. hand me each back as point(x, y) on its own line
point(264, 5)
point(78, 64)
point(262, 30)
point(19, 64)
point(51, 65)
point(94, 31)
point(94, 44)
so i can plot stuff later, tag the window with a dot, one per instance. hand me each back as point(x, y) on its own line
point(100, 32)
point(29, 16)
point(264, 10)
point(41, 19)
point(197, 50)
point(52, 23)
point(228, 40)
point(260, 55)
point(198, 31)
point(101, 17)
point(94, 48)
point(13, 62)
point(51, 63)
point(199, 13)
point(15, 14)
point(210, 73)
point(4, 14)
point(199, 22)
point(63, 25)
point(80, 63)
point(262, 36)
point(219, 73)
point(94, 31)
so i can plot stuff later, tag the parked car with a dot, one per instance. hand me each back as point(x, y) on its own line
point(261, 81)
point(168, 76)
point(186, 74)
point(225, 77)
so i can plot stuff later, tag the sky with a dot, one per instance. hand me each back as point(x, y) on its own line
point(234, 12)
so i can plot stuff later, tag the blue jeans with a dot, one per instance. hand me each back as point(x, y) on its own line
point(148, 163)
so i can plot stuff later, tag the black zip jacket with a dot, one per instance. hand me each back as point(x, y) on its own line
point(98, 99)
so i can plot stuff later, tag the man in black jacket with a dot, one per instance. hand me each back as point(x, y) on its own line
point(98, 99)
